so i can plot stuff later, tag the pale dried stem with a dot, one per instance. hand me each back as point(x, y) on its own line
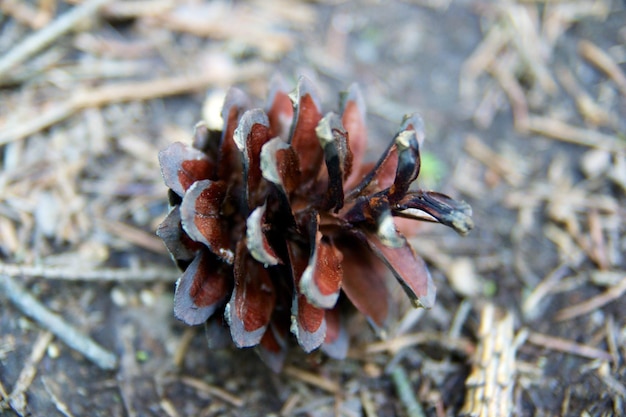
point(54, 323)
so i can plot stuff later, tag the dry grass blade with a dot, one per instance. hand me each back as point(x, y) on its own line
point(51, 321)
point(567, 346)
point(312, 379)
point(490, 383)
point(223, 395)
point(593, 303)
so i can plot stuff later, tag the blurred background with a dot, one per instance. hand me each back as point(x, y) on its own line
point(525, 110)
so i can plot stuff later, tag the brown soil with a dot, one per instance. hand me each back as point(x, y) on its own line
point(525, 107)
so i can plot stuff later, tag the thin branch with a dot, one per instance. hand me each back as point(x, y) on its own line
point(567, 346)
point(124, 92)
point(562, 131)
point(604, 62)
point(220, 393)
point(55, 324)
point(98, 275)
point(457, 344)
point(44, 37)
point(312, 379)
point(27, 375)
point(593, 303)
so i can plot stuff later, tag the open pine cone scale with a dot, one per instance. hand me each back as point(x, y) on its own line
point(277, 215)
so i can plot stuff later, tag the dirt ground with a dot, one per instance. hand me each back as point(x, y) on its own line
point(525, 110)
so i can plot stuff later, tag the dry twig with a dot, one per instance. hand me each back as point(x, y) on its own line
point(290, 404)
point(135, 236)
point(490, 158)
point(460, 344)
point(44, 37)
point(567, 346)
point(118, 93)
point(604, 62)
point(53, 322)
point(312, 379)
point(223, 395)
point(58, 404)
point(593, 303)
point(27, 375)
point(562, 131)
point(97, 275)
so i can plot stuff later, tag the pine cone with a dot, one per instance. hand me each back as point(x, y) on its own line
point(278, 214)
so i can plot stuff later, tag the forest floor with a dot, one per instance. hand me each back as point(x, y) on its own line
point(525, 110)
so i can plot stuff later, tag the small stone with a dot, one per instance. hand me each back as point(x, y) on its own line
point(53, 351)
point(463, 278)
point(595, 163)
point(119, 297)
